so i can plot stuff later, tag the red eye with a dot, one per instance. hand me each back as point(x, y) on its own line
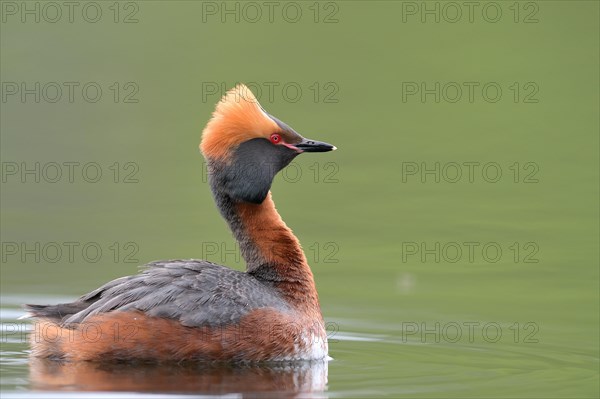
point(275, 138)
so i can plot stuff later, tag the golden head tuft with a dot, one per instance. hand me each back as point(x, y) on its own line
point(238, 117)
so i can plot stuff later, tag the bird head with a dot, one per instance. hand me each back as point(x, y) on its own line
point(245, 147)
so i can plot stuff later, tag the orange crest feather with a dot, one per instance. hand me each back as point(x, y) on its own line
point(238, 117)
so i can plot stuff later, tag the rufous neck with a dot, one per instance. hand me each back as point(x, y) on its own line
point(273, 241)
point(271, 250)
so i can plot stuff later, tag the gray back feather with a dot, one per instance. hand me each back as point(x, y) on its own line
point(194, 292)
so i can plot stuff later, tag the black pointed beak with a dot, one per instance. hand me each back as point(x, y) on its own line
point(307, 145)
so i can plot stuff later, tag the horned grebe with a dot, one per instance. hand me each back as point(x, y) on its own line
point(197, 310)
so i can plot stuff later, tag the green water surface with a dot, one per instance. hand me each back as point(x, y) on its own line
point(453, 235)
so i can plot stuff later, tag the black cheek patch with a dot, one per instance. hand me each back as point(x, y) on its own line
point(248, 183)
point(254, 165)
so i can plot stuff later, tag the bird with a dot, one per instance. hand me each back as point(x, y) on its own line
point(196, 310)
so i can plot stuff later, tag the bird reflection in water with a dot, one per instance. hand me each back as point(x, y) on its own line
point(281, 379)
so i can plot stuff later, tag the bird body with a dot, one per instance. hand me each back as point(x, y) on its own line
point(182, 310)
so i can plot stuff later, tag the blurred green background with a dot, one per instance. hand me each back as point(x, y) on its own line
point(379, 80)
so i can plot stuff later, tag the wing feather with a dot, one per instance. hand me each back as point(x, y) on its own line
point(195, 292)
